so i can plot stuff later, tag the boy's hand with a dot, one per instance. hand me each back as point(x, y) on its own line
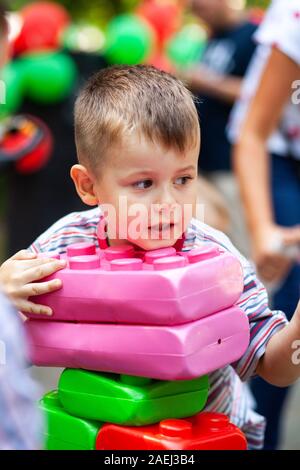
point(18, 275)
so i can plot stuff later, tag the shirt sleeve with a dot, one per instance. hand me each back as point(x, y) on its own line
point(281, 28)
point(73, 228)
point(21, 423)
point(263, 322)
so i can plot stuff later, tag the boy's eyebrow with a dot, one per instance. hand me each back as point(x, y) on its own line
point(140, 173)
point(151, 172)
point(187, 168)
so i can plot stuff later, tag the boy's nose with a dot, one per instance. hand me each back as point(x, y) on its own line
point(165, 200)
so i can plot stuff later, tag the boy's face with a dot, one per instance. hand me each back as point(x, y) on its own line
point(147, 193)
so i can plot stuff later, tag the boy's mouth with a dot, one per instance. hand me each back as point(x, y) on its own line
point(161, 228)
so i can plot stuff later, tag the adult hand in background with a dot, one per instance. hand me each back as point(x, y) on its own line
point(275, 250)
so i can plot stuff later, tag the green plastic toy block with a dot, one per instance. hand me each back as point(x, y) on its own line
point(66, 432)
point(127, 400)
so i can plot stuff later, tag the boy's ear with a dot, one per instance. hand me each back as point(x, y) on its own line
point(84, 185)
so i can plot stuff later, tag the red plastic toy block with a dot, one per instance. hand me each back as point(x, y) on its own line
point(204, 431)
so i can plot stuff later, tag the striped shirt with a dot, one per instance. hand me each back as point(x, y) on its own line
point(228, 392)
point(21, 425)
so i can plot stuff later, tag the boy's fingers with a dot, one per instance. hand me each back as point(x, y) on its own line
point(39, 288)
point(24, 254)
point(29, 307)
point(32, 263)
point(42, 270)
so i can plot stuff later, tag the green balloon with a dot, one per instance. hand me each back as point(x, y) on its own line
point(11, 88)
point(187, 46)
point(129, 40)
point(50, 77)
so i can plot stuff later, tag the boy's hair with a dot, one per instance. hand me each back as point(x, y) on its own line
point(3, 20)
point(121, 99)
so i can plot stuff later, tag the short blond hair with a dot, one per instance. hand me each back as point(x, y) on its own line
point(121, 99)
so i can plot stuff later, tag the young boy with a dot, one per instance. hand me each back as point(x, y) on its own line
point(138, 138)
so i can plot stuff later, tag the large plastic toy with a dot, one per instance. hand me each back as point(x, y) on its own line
point(64, 431)
point(162, 352)
point(127, 400)
point(116, 285)
point(205, 431)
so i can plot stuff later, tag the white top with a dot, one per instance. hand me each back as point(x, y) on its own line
point(281, 27)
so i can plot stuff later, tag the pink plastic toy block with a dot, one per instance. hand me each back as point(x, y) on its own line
point(161, 287)
point(160, 352)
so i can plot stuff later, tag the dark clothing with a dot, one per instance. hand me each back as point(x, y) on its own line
point(285, 191)
point(227, 53)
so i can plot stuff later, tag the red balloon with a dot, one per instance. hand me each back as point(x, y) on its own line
point(161, 62)
point(164, 15)
point(43, 23)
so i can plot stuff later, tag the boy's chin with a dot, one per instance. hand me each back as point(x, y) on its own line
point(149, 245)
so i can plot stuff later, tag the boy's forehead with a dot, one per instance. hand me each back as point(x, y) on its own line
point(139, 151)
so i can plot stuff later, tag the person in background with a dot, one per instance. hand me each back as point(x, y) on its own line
point(266, 127)
point(217, 82)
point(21, 423)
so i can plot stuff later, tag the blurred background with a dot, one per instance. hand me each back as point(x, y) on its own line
point(52, 52)
point(56, 46)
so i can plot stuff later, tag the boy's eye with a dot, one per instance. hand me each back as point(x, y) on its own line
point(182, 180)
point(145, 184)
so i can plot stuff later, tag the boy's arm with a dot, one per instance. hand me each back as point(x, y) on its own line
point(280, 365)
point(271, 353)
